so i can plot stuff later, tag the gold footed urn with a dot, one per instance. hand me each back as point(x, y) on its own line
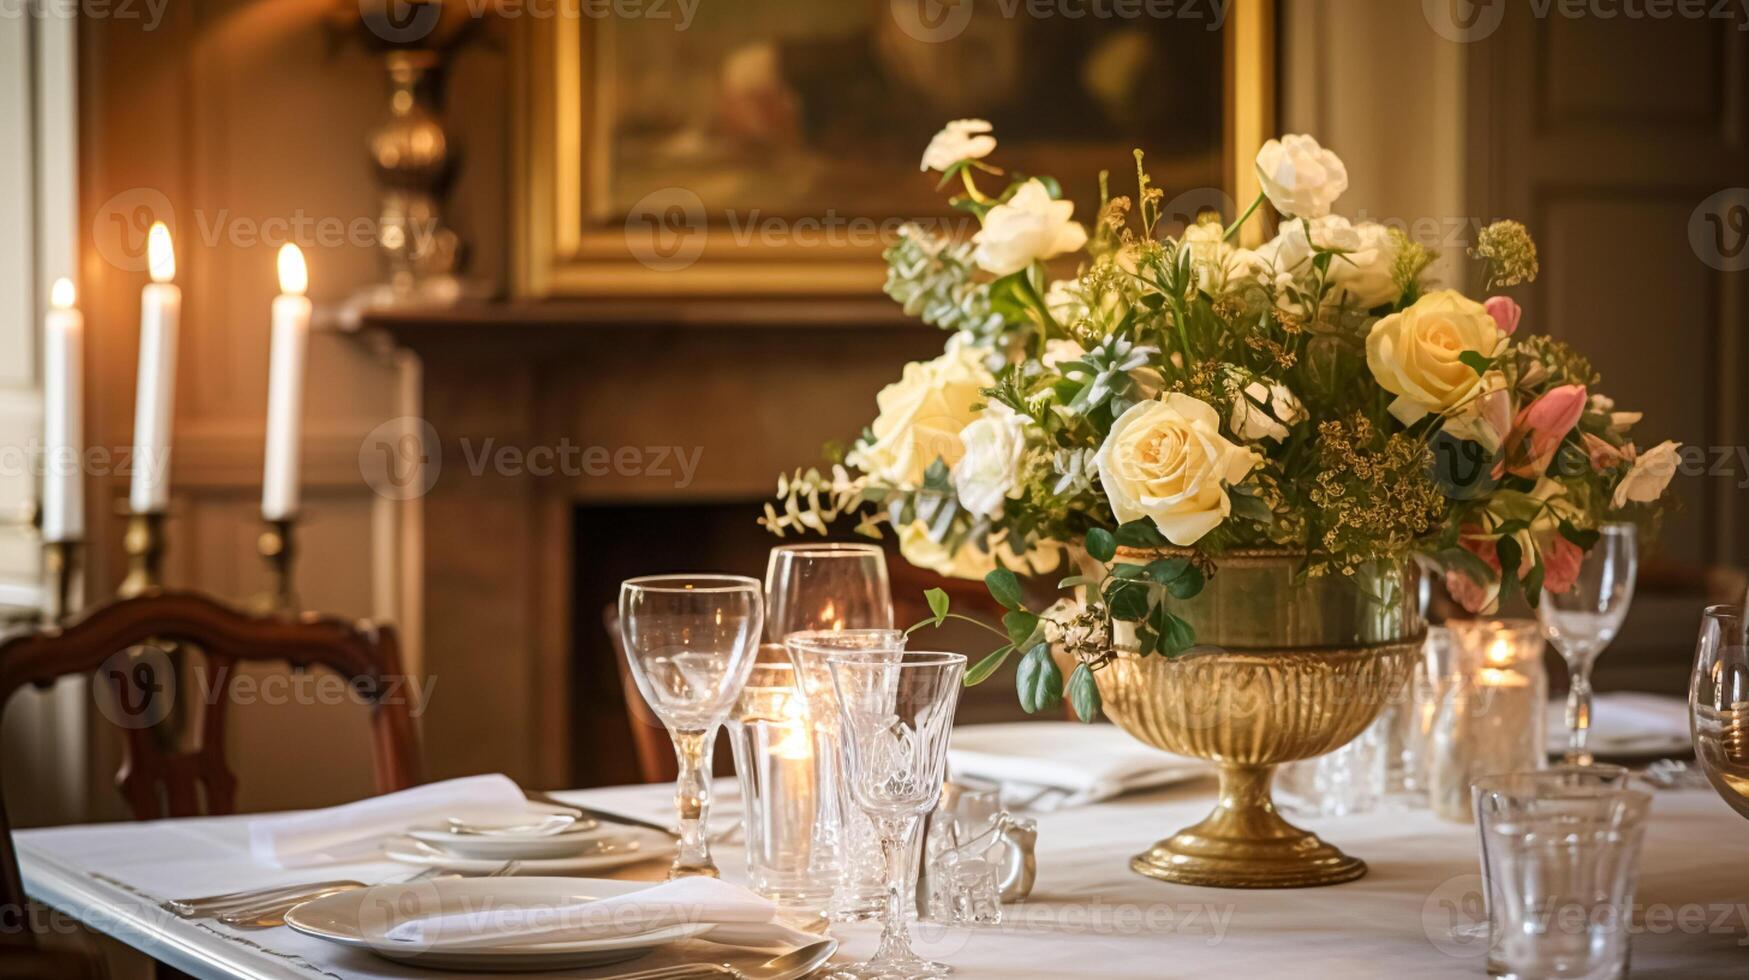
point(1284, 669)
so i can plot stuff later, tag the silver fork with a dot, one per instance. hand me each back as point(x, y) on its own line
point(271, 914)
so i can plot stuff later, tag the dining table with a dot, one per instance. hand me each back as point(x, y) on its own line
point(1088, 915)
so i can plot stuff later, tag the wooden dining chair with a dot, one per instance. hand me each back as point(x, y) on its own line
point(123, 646)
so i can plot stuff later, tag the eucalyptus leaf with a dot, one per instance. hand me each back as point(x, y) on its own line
point(1101, 545)
point(1004, 588)
point(1084, 693)
point(1020, 625)
point(938, 603)
point(982, 670)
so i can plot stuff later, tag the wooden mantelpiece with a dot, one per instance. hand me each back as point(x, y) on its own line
point(753, 388)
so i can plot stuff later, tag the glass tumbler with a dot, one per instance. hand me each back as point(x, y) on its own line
point(777, 769)
point(1564, 871)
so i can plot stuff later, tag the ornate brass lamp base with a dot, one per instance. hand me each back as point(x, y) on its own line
point(1245, 843)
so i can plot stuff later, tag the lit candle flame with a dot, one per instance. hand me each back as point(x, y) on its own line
point(294, 276)
point(61, 296)
point(160, 255)
point(1500, 653)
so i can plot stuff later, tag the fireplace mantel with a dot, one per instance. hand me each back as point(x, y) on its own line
point(750, 388)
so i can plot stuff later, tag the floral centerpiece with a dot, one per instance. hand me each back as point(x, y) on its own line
point(1181, 398)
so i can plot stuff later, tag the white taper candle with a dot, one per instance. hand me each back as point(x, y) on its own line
point(63, 500)
point(285, 387)
point(155, 397)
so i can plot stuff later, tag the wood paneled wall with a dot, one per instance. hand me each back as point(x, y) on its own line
point(247, 119)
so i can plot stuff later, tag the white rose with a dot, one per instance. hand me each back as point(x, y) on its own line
point(922, 415)
point(1253, 423)
point(989, 472)
point(1650, 474)
point(1300, 177)
point(1414, 354)
point(1213, 258)
point(1363, 271)
point(1031, 226)
point(1167, 461)
point(970, 561)
point(962, 139)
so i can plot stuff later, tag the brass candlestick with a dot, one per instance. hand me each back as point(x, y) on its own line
point(61, 568)
point(144, 543)
point(277, 545)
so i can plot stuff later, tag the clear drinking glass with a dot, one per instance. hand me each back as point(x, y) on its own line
point(1582, 621)
point(691, 640)
point(1718, 704)
point(846, 836)
point(826, 586)
point(1564, 870)
point(1554, 782)
point(776, 766)
point(897, 711)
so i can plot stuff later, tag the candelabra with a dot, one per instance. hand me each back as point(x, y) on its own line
point(278, 546)
point(144, 544)
point(61, 569)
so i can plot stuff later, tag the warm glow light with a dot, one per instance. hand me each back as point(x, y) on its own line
point(1500, 653)
point(61, 295)
point(294, 277)
point(160, 256)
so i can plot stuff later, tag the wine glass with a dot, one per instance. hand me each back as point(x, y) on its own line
point(896, 709)
point(1718, 704)
point(826, 586)
point(691, 641)
point(1583, 620)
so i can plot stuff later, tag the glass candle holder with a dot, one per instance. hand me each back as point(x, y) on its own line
point(776, 766)
point(1490, 715)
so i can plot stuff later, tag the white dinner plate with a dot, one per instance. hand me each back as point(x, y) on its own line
point(617, 851)
point(360, 919)
point(507, 847)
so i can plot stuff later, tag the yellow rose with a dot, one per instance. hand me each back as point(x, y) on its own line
point(922, 415)
point(1415, 354)
point(970, 561)
point(1167, 460)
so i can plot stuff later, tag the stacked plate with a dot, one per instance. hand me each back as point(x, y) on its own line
point(545, 840)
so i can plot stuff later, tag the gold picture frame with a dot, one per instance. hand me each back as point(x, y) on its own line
point(567, 243)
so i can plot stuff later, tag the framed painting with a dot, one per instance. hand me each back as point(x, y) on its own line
point(770, 148)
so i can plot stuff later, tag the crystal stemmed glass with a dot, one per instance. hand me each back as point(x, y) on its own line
point(1583, 620)
point(846, 839)
point(1718, 704)
point(826, 586)
point(897, 711)
point(692, 640)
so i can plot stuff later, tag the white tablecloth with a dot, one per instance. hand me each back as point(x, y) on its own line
point(1089, 916)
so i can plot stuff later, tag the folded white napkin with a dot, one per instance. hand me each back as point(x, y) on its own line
point(1626, 721)
point(742, 919)
point(355, 831)
point(1048, 765)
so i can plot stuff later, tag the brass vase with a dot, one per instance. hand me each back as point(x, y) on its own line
point(1285, 668)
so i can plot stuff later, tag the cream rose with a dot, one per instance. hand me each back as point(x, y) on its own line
point(1252, 422)
point(1300, 177)
point(1415, 354)
point(989, 472)
point(1363, 273)
point(962, 139)
point(970, 561)
point(1029, 227)
point(1649, 476)
point(1167, 461)
point(922, 415)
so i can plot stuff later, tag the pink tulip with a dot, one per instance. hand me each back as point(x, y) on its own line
point(1603, 455)
point(1561, 561)
point(1505, 313)
point(1540, 427)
